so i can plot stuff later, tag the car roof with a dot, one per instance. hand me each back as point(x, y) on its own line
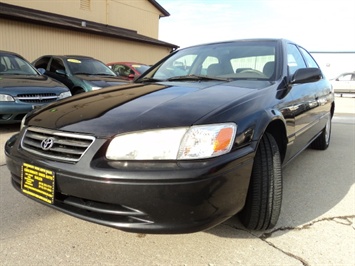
point(69, 56)
point(11, 53)
point(242, 40)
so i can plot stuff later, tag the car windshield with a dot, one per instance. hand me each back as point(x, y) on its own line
point(13, 65)
point(141, 68)
point(252, 60)
point(88, 67)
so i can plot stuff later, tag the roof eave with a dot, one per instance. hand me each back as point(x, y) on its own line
point(16, 13)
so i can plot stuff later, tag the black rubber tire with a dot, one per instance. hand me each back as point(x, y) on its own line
point(263, 203)
point(323, 140)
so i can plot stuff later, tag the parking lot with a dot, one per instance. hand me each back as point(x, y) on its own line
point(316, 225)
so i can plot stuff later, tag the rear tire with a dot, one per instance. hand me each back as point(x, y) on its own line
point(263, 202)
point(323, 140)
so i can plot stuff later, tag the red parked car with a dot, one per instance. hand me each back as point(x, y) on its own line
point(128, 70)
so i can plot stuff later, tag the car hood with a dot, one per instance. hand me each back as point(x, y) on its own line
point(24, 83)
point(102, 81)
point(134, 107)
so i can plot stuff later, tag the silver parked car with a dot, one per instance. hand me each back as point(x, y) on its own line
point(344, 83)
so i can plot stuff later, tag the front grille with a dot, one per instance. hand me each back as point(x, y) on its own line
point(57, 145)
point(37, 97)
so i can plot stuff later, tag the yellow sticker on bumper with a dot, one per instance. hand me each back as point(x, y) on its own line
point(38, 182)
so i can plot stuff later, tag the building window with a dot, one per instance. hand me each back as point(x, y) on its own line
point(85, 4)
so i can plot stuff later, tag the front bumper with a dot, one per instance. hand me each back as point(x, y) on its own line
point(164, 197)
point(13, 112)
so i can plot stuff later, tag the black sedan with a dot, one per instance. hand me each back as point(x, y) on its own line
point(202, 136)
point(23, 88)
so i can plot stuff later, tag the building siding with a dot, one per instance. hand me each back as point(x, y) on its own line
point(138, 15)
point(32, 41)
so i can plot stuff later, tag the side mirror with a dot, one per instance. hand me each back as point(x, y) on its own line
point(306, 75)
point(61, 72)
point(41, 70)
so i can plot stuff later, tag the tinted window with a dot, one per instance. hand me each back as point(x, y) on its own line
point(56, 64)
point(141, 68)
point(294, 59)
point(13, 65)
point(88, 66)
point(345, 77)
point(309, 59)
point(122, 70)
point(232, 60)
point(42, 63)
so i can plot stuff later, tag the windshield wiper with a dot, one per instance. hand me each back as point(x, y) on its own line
point(103, 74)
point(146, 79)
point(196, 77)
point(82, 73)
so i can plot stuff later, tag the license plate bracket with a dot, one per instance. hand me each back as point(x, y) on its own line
point(38, 182)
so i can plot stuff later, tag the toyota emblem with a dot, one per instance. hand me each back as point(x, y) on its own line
point(47, 143)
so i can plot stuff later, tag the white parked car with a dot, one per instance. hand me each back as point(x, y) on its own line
point(344, 83)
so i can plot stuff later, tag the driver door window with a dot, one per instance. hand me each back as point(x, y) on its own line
point(294, 59)
point(56, 64)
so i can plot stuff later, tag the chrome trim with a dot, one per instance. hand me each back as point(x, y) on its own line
point(66, 146)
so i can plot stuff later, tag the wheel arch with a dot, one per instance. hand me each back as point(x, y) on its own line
point(278, 130)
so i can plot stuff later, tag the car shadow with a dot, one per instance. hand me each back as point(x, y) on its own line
point(6, 131)
point(4, 128)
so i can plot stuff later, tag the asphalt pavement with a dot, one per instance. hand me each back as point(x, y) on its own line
point(316, 225)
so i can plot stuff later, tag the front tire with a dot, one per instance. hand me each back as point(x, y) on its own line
point(263, 202)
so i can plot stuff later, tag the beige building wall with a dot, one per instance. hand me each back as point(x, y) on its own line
point(32, 41)
point(138, 15)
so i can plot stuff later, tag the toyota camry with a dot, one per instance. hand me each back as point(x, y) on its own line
point(202, 136)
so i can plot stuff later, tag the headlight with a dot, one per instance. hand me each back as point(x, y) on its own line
point(196, 142)
point(64, 95)
point(6, 98)
point(95, 88)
